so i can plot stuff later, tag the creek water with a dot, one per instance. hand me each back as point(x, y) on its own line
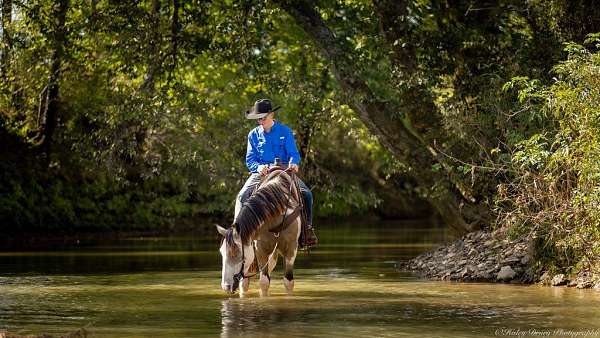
point(348, 286)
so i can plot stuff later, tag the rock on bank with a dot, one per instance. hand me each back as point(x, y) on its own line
point(489, 257)
point(478, 256)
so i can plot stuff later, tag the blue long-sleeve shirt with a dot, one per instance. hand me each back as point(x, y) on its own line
point(264, 147)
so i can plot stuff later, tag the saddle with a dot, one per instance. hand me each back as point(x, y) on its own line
point(299, 210)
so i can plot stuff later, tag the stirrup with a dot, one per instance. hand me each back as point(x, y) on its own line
point(310, 240)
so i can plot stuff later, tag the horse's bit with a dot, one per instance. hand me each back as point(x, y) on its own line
point(240, 275)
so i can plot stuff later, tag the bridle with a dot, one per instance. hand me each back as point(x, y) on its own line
point(241, 275)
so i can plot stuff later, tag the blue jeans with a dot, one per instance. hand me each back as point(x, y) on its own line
point(254, 179)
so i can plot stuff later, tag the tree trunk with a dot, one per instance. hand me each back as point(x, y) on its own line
point(53, 109)
point(305, 122)
point(397, 134)
point(155, 68)
point(393, 26)
point(93, 14)
point(153, 49)
point(308, 115)
point(174, 38)
point(6, 40)
point(6, 54)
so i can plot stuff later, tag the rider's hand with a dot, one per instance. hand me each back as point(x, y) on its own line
point(294, 167)
point(263, 169)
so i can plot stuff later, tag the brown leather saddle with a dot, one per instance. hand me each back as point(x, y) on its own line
point(299, 210)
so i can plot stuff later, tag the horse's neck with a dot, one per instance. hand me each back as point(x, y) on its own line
point(272, 223)
point(293, 202)
point(276, 221)
point(269, 224)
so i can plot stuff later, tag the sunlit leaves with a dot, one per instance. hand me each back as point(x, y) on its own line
point(555, 194)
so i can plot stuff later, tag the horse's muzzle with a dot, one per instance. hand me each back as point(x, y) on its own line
point(228, 288)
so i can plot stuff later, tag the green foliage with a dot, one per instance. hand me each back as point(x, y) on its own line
point(151, 127)
point(555, 193)
point(346, 201)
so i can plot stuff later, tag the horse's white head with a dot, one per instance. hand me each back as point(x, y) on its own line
point(237, 258)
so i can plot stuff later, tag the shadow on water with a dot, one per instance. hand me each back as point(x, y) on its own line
point(342, 244)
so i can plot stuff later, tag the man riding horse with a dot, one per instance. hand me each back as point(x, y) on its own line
point(269, 141)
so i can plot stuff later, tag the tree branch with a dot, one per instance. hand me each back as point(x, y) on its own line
point(381, 117)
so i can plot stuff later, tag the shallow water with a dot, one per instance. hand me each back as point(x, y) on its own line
point(349, 286)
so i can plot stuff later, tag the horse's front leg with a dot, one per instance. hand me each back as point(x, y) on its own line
point(265, 275)
point(290, 258)
point(245, 285)
point(288, 277)
point(264, 257)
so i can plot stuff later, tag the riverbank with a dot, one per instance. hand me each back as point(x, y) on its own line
point(483, 256)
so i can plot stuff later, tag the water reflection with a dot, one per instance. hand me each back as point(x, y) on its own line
point(359, 307)
point(239, 317)
point(347, 287)
point(268, 317)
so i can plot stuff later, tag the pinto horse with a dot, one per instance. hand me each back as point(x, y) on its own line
point(265, 226)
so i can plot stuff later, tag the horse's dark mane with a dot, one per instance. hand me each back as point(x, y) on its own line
point(269, 200)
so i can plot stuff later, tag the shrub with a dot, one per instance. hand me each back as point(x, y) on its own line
point(554, 194)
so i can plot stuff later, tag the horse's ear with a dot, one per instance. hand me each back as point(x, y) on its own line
point(221, 230)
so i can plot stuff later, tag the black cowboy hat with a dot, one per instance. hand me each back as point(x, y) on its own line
point(261, 108)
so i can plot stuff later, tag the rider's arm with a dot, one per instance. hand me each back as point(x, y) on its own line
point(291, 149)
point(251, 156)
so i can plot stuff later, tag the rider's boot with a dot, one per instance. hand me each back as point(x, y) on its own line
point(311, 238)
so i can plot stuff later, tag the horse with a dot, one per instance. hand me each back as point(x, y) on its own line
point(268, 224)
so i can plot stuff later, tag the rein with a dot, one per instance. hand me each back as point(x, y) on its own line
point(241, 275)
point(282, 226)
point(285, 221)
